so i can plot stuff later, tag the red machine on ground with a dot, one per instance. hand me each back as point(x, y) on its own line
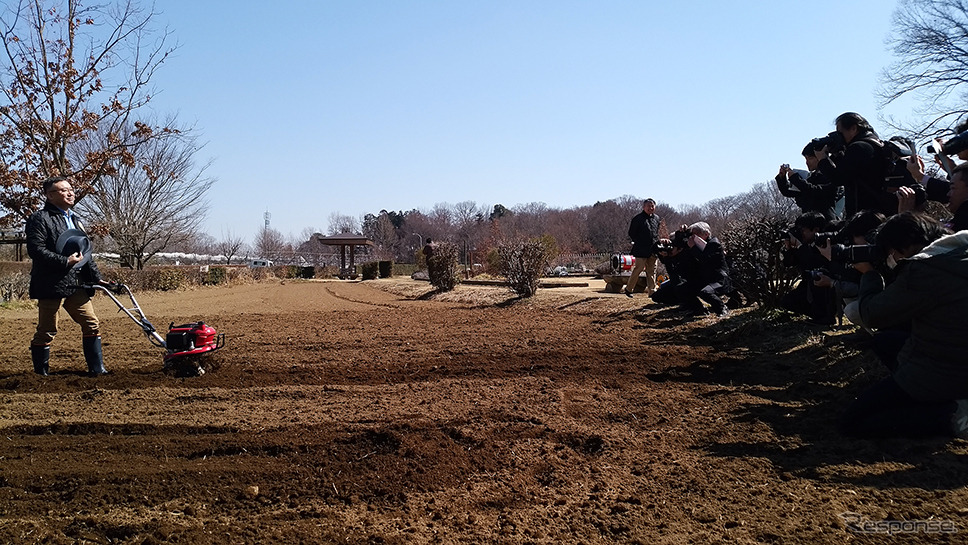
point(181, 343)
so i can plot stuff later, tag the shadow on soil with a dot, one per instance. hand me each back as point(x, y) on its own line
point(805, 377)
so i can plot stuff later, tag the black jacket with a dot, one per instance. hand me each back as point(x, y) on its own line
point(860, 170)
point(50, 277)
point(813, 194)
point(960, 220)
point(644, 232)
point(710, 266)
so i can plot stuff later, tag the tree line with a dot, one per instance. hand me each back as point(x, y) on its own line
point(76, 77)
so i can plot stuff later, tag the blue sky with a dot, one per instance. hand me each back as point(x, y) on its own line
point(315, 107)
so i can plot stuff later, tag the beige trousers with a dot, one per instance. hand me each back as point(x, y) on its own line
point(78, 307)
point(646, 264)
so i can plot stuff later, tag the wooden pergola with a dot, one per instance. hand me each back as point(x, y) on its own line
point(343, 241)
point(14, 236)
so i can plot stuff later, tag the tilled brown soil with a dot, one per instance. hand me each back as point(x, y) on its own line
point(377, 412)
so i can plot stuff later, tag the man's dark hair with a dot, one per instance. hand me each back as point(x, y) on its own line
point(49, 182)
point(862, 223)
point(809, 149)
point(852, 119)
point(647, 201)
point(908, 229)
point(962, 127)
point(811, 220)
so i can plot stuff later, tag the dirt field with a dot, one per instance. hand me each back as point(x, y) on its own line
point(375, 413)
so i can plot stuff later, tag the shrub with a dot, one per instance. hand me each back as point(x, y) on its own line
point(153, 278)
point(216, 276)
point(7, 267)
point(326, 271)
point(405, 269)
point(14, 286)
point(442, 267)
point(235, 276)
point(169, 280)
point(370, 270)
point(386, 269)
point(523, 263)
point(756, 265)
point(492, 262)
point(262, 273)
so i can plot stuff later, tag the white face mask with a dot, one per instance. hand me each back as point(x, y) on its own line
point(891, 262)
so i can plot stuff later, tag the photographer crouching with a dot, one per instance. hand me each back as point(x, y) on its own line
point(670, 252)
point(708, 273)
point(814, 295)
point(860, 230)
point(927, 392)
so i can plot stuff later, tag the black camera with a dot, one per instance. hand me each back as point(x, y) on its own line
point(680, 239)
point(898, 147)
point(833, 141)
point(899, 175)
point(897, 151)
point(821, 239)
point(953, 146)
point(864, 253)
point(816, 274)
point(784, 234)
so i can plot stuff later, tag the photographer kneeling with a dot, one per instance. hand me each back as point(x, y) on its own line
point(708, 275)
point(927, 392)
point(677, 266)
point(809, 297)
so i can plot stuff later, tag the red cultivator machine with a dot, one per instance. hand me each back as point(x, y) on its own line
point(184, 344)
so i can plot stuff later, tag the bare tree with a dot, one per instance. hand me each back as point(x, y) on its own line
point(569, 228)
point(717, 211)
point(229, 246)
point(198, 243)
point(156, 201)
point(608, 225)
point(930, 40)
point(70, 73)
point(341, 223)
point(381, 231)
point(764, 201)
point(270, 244)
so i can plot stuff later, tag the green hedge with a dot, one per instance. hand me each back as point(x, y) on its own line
point(370, 270)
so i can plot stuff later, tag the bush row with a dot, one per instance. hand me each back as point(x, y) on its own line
point(15, 277)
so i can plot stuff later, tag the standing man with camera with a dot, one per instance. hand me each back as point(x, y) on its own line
point(810, 190)
point(644, 232)
point(853, 156)
point(61, 256)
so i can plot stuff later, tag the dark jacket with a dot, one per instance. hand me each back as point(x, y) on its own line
point(813, 193)
point(644, 232)
point(860, 170)
point(960, 220)
point(710, 265)
point(930, 292)
point(50, 277)
point(937, 190)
